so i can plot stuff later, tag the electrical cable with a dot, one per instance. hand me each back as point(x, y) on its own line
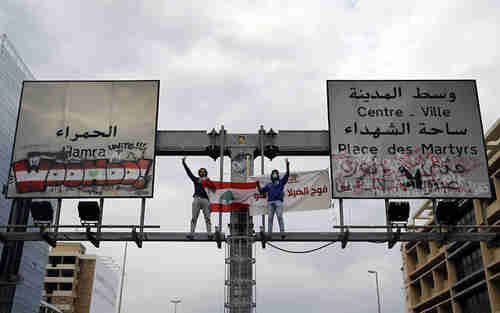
point(298, 252)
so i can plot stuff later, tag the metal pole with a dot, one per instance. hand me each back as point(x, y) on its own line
point(122, 278)
point(341, 211)
point(58, 215)
point(100, 215)
point(378, 294)
point(434, 206)
point(175, 302)
point(240, 239)
point(261, 133)
point(222, 148)
point(143, 211)
point(387, 222)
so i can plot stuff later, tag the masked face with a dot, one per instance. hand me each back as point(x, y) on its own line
point(203, 173)
point(34, 163)
point(274, 176)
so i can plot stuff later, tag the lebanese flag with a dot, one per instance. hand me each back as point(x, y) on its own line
point(29, 179)
point(230, 196)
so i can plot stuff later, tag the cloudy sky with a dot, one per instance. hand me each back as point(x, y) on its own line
point(243, 64)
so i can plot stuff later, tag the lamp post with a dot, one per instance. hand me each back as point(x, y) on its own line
point(378, 295)
point(123, 277)
point(175, 302)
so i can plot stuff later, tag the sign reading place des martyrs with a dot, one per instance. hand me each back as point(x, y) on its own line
point(406, 139)
point(79, 139)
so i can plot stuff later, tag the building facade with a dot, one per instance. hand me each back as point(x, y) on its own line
point(48, 308)
point(28, 291)
point(458, 277)
point(79, 283)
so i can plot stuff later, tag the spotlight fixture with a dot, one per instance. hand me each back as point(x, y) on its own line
point(42, 211)
point(398, 211)
point(89, 211)
point(445, 211)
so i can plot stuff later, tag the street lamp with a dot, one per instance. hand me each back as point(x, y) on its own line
point(175, 302)
point(123, 277)
point(378, 295)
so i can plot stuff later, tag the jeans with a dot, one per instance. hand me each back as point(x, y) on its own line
point(275, 207)
point(201, 204)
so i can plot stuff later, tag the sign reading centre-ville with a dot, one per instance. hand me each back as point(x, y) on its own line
point(80, 139)
point(406, 139)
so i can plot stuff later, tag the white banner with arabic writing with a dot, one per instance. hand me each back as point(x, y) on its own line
point(305, 191)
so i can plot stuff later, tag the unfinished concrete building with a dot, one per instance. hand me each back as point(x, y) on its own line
point(458, 277)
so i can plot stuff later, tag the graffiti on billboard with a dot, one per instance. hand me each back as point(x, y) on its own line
point(414, 173)
point(87, 171)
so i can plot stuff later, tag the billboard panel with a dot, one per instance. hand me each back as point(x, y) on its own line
point(80, 139)
point(406, 139)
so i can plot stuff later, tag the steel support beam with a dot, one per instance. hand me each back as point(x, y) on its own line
point(374, 237)
point(240, 241)
point(112, 236)
point(201, 142)
point(377, 237)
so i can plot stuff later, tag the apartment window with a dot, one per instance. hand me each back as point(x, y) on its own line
point(469, 263)
point(66, 286)
point(69, 260)
point(425, 248)
point(67, 273)
point(464, 215)
point(467, 218)
point(51, 273)
point(54, 260)
point(476, 302)
point(50, 287)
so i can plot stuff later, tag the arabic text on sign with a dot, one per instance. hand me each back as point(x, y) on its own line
point(112, 130)
point(426, 95)
point(392, 130)
point(367, 95)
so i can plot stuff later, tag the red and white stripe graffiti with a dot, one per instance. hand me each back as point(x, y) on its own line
point(47, 172)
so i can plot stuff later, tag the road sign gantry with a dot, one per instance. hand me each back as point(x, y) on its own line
point(241, 235)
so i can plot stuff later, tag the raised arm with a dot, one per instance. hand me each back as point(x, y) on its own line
point(285, 178)
point(258, 187)
point(188, 171)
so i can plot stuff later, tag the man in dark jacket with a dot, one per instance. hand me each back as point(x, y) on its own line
point(200, 197)
point(274, 192)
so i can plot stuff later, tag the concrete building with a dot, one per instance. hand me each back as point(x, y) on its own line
point(79, 283)
point(27, 293)
point(457, 277)
point(48, 308)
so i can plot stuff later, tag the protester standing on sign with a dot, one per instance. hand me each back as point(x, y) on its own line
point(200, 197)
point(275, 194)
